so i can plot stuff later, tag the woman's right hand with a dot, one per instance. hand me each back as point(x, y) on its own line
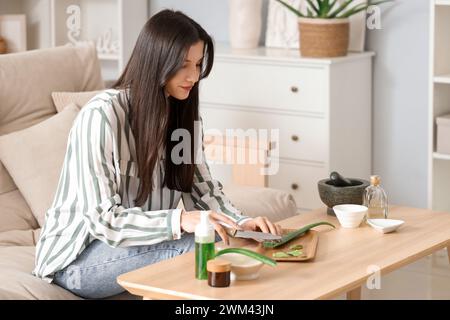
point(190, 219)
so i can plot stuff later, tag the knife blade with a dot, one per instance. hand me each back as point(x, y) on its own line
point(256, 235)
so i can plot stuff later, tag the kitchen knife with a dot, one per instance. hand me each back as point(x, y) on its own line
point(255, 235)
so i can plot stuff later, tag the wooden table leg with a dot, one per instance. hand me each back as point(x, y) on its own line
point(354, 294)
point(448, 253)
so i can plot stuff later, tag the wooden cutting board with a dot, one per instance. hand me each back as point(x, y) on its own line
point(309, 242)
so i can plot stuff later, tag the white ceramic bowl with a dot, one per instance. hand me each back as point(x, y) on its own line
point(385, 225)
point(242, 267)
point(350, 215)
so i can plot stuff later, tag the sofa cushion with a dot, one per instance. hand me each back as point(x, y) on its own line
point(15, 214)
point(19, 237)
point(34, 163)
point(255, 201)
point(28, 79)
point(63, 99)
point(17, 282)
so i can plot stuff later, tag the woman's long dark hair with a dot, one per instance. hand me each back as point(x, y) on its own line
point(159, 53)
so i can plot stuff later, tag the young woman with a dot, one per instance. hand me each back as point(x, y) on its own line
point(115, 207)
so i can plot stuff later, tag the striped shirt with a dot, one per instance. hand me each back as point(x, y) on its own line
point(98, 184)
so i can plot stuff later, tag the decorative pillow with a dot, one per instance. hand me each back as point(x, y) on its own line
point(63, 99)
point(34, 158)
point(27, 80)
point(15, 214)
point(256, 201)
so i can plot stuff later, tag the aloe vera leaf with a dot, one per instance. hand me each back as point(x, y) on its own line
point(313, 6)
point(291, 8)
point(358, 8)
point(339, 9)
point(324, 6)
point(280, 254)
point(294, 253)
point(362, 6)
point(294, 234)
point(332, 5)
point(248, 253)
point(296, 247)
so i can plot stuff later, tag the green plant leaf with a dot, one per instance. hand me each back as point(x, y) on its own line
point(295, 253)
point(356, 7)
point(333, 4)
point(361, 7)
point(324, 8)
point(294, 234)
point(291, 8)
point(248, 253)
point(339, 9)
point(280, 254)
point(312, 6)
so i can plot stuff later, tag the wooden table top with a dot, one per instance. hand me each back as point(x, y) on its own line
point(341, 264)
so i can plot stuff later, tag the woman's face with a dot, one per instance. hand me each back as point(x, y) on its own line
point(180, 85)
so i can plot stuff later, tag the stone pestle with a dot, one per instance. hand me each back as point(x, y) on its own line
point(339, 181)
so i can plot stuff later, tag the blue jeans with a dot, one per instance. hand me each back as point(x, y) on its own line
point(93, 274)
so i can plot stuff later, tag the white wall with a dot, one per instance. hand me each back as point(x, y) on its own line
point(210, 14)
point(400, 101)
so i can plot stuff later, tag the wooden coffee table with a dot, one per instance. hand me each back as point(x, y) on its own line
point(343, 262)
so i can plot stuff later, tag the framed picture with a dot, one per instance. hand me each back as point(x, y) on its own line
point(13, 30)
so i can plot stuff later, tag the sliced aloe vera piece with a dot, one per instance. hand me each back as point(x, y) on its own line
point(294, 253)
point(280, 254)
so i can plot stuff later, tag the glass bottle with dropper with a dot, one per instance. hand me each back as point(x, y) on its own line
point(204, 245)
point(375, 199)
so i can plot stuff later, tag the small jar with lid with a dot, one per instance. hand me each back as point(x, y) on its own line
point(218, 273)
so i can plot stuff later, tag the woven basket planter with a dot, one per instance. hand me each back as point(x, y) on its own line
point(324, 38)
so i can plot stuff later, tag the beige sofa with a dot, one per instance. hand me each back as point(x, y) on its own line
point(33, 138)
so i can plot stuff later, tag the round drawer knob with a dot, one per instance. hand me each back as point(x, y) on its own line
point(294, 89)
point(295, 137)
point(294, 186)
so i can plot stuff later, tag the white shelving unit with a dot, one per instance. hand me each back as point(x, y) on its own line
point(439, 103)
point(47, 27)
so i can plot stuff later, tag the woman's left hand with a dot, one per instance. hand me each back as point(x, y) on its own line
point(262, 224)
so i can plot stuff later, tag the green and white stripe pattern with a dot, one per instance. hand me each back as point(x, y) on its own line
point(98, 185)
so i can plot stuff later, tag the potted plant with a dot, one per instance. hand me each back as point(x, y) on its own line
point(325, 28)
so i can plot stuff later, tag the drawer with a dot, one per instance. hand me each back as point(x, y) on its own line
point(303, 138)
point(301, 182)
point(266, 86)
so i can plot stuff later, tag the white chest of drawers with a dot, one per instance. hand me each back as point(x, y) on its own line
point(322, 108)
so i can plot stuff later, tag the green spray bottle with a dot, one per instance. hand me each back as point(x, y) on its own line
point(204, 245)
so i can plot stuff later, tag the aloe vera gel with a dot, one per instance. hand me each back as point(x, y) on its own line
point(204, 245)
